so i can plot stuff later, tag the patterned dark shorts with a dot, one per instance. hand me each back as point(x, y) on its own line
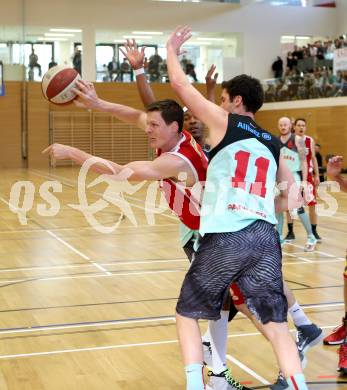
point(250, 257)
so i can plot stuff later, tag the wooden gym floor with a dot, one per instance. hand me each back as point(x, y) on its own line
point(82, 309)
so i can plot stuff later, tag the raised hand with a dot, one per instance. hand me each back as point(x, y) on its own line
point(334, 166)
point(87, 97)
point(178, 38)
point(210, 78)
point(135, 56)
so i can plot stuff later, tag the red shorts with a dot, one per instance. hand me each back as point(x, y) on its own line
point(237, 293)
point(311, 190)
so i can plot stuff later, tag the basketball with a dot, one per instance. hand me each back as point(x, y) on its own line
point(57, 84)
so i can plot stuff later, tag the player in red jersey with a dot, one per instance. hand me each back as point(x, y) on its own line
point(339, 335)
point(313, 181)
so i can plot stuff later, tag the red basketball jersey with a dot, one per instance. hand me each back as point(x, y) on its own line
point(179, 197)
point(308, 146)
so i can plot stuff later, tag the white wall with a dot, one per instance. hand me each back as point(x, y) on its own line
point(262, 25)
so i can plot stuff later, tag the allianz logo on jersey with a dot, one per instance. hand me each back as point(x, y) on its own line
point(249, 127)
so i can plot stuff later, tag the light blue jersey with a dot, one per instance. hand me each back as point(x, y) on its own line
point(241, 178)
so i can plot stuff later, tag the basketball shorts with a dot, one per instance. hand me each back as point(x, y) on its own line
point(250, 257)
point(190, 253)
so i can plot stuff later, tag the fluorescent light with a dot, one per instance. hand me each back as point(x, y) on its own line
point(59, 35)
point(198, 43)
point(3, 45)
point(147, 32)
point(65, 30)
point(302, 37)
point(119, 41)
point(51, 39)
point(137, 37)
point(210, 39)
point(288, 37)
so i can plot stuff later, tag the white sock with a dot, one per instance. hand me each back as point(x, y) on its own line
point(218, 339)
point(206, 336)
point(298, 315)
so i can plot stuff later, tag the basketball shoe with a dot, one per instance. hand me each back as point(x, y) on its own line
point(338, 335)
point(224, 381)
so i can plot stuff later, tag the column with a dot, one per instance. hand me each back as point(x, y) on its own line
point(88, 54)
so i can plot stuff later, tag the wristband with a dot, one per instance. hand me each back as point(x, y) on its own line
point(139, 71)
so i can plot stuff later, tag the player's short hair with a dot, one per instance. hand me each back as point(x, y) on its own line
point(249, 88)
point(170, 111)
point(299, 119)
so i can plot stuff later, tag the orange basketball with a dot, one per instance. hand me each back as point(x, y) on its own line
point(57, 84)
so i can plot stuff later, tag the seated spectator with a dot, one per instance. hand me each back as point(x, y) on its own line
point(125, 68)
point(112, 68)
point(153, 66)
point(33, 63)
point(52, 63)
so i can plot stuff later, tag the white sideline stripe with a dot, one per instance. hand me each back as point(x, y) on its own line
point(248, 370)
point(68, 245)
point(53, 267)
point(78, 252)
point(109, 275)
point(297, 257)
point(93, 325)
point(118, 346)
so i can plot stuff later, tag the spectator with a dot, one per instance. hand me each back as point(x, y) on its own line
point(34, 63)
point(112, 68)
point(77, 60)
point(190, 70)
point(153, 66)
point(277, 68)
point(125, 68)
point(52, 63)
point(320, 162)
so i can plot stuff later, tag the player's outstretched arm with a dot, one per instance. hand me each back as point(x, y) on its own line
point(87, 98)
point(66, 152)
point(289, 197)
point(334, 169)
point(165, 166)
point(214, 117)
point(136, 59)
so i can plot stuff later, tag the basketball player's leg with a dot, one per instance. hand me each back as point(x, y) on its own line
point(266, 299)
point(312, 208)
point(214, 341)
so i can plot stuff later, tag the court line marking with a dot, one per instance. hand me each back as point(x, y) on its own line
point(111, 274)
point(127, 197)
point(119, 346)
point(78, 252)
point(61, 240)
point(134, 273)
point(135, 321)
point(248, 370)
point(115, 263)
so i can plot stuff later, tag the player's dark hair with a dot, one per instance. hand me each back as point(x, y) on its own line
point(249, 88)
point(299, 119)
point(170, 111)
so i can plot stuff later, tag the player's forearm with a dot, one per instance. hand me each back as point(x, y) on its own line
point(210, 93)
point(145, 90)
point(100, 166)
point(123, 113)
point(177, 77)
